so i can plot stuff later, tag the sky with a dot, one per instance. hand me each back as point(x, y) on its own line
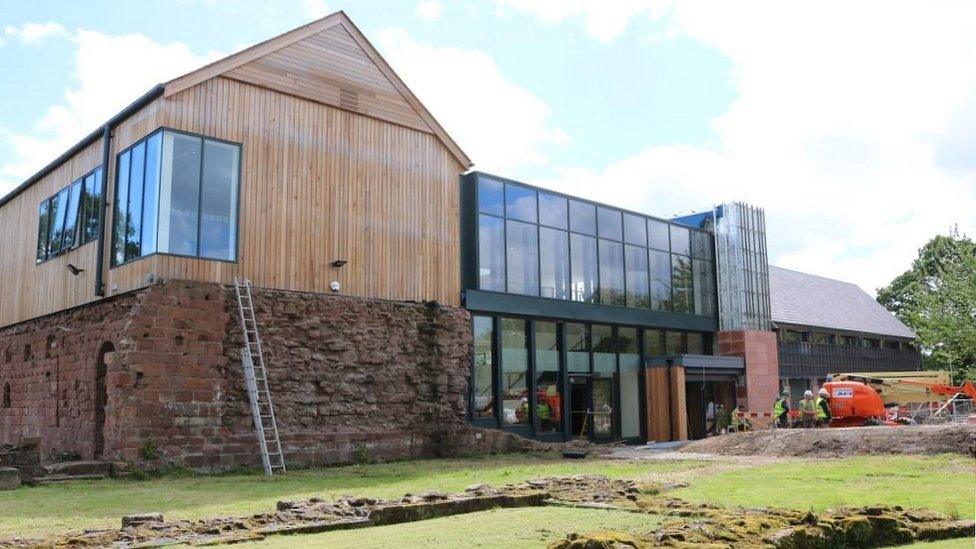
point(853, 124)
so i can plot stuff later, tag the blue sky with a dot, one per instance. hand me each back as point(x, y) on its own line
point(653, 105)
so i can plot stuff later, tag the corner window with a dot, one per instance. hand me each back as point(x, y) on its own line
point(177, 194)
point(69, 218)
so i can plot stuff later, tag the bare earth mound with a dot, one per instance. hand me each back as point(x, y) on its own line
point(852, 441)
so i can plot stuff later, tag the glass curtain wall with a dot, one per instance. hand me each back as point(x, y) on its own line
point(483, 374)
point(69, 219)
point(548, 379)
point(604, 372)
point(630, 366)
point(515, 372)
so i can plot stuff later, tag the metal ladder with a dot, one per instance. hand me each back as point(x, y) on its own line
point(256, 382)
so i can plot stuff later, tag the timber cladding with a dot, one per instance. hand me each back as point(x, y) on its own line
point(319, 183)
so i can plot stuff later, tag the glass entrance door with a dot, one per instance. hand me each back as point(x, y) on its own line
point(604, 382)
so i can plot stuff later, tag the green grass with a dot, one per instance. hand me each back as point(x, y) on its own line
point(91, 504)
point(946, 483)
point(500, 528)
point(964, 543)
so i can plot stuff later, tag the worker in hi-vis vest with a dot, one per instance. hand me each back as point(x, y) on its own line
point(781, 410)
point(823, 408)
point(808, 413)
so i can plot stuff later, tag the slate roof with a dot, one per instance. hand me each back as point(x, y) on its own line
point(810, 300)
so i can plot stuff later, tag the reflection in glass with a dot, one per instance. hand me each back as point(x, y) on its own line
point(609, 223)
point(554, 265)
point(523, 258)
point(515, 371)
point(150, 199)
point(658, 235)
point(491, 196)
point(674, 343)
point(491, 253)
point(701, 245)
point(704, 290)
point(635, 230)
point(660, 268)
point(552, 211)
point(121, 203)
point(638, 293)
point(680, 240)
point(179, 194)
point(578, 348)
point(42, 230)
point(604, 371)
point(584, 267)
point(696, 343)
point(483, 383)
point(548, 416)
point(654, 343)
point(71, 215)
point(520, 203)
point(137, 171)
point(582, 217)
point(218, 201)
point(682, 284)
point(59, 207)
point(612, 273)
point(630, 366)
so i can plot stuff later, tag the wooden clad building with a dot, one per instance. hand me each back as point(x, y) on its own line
point(336, 161)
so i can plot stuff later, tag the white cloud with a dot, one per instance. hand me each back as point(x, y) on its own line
point(499, 124)
point(316, 9)
point(101, 91)
point(604, 21)
point(852, 126)
point(33, 34)
point(429, 10)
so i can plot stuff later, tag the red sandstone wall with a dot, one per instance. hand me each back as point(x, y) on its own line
point(345, 373)
point(758, 348)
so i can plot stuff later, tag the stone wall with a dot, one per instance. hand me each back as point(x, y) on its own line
point(350, 378)
point(758, 348)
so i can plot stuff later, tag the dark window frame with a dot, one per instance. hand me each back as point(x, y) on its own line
point(240, 184)
point(79, 239)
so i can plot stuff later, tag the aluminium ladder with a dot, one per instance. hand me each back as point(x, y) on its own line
point(256, 382)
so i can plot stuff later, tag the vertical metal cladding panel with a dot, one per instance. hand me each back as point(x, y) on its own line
point(742, 267)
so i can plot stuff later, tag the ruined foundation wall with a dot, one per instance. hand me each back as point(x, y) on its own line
point(350, 378)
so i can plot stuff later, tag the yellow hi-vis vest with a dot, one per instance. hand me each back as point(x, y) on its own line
point(821, 414)
point(779, 407)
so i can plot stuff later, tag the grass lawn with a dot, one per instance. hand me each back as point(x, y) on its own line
point(500, 528)
point(946, 483)
point(944, 544)
point(91, 504)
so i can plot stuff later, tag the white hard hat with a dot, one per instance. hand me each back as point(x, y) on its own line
point(808, 393)
point(823, 392)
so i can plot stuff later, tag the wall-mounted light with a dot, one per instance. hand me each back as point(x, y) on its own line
point(338, 263)
point(74, 270)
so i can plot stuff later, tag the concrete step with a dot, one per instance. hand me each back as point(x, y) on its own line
point(51, 479)
point(75, 468)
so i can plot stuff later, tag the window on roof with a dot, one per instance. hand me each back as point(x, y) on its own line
point(177, 193)
point(69, 218)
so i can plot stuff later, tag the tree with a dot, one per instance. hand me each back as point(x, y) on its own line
point(937, 299)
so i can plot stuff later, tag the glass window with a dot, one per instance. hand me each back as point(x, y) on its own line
point(554, 266)
point(696, 343)
point(520, 203)
point(121, 204)
point(491, 253)
point(552, 211)
point(612, 273)
point(635, 230)
point(137, 171)
point(638, 293)
point(660, 269)
point(682, 284)
point(674, 343)
point(582, 217)
point(548, 417)
point(491, 197)
point(584, 267)
point(654, 343)
point(523, 258)
point(218, 200)
point(150, 195)
point(630, 366)
point(515, 370)
point(604, 370)
point(701, 245)
point(483, 376)
point(578, 348)
point(43, 219)
point(704, 291)
point(179, 196)
point(91, 206)
point(657, 235)
point(891, 344)
point(680, 240)
point(609, 224)
point(59, 206)
point(71, 215)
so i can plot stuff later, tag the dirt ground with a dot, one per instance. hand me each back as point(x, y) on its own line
point(843, 442)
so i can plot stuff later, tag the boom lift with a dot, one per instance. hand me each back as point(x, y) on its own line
point(858, 399)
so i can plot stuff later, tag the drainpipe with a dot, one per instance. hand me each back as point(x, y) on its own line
point(149, 96)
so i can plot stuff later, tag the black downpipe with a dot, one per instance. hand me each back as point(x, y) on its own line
point(100, 253)
point(149, 96)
